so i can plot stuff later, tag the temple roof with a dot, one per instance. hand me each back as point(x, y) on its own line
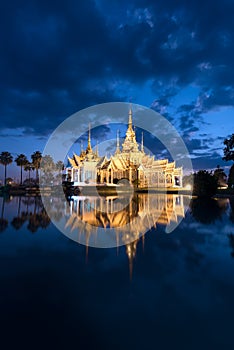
point(129, 156)
point(106, 164)
point(130, 143)
point(72, 162)
point(101, 161)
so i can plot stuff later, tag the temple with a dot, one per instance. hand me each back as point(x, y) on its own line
point(128, 162)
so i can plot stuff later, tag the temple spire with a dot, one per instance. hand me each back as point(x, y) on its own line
point(130, 143)
point(130, 118)
point(89, 148)
point(142, 143)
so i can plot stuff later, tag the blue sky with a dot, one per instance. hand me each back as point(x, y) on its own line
point(174, 56)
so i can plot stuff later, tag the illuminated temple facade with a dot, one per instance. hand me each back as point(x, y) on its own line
point(128, 162)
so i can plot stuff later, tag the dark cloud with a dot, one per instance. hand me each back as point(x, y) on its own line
point(215, 98)
point(57, 58)
point(52, 63)
point(208, 161)
point(99, 134)
point(161, 104)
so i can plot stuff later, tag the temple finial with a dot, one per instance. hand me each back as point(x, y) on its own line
point(130, 116)
point(89, 148)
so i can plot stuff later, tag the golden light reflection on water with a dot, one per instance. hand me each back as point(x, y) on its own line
point(129, 217)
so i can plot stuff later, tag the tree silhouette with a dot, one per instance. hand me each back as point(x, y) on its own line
point(5, 159)
point(47, 167)
point(231, 177)
point(205, 184)
point(47, 164)
point(29, 167)
point(229, 148)
point(21, 160)
point(229, 155)
point(36, 161)
point(59, 166)
point(220, 175)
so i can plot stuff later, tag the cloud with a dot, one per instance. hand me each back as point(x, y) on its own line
point(56, 60)
point(208, 160)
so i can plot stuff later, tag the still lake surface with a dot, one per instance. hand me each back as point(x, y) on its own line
point(158, 291)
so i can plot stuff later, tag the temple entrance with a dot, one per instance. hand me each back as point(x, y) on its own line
point(177, 180)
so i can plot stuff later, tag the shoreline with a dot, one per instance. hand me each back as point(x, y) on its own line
point(101, 190)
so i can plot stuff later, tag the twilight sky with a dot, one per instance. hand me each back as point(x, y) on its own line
point(174, 56)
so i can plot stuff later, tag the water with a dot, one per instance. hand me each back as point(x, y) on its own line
point(164, 291)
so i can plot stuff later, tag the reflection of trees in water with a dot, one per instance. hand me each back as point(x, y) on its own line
point(59, 209)
point(232, 209)
point(3, 221)
point(19, 220)
point(55, 207)
point(231, 243)
point(37, 220)
point(231, 235)
point(207, 210)
point(28, 202)
point(34, 213)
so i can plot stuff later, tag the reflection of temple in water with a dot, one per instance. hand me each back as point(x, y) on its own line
point(130, 217)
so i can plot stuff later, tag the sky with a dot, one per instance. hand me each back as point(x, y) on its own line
point(175, 57)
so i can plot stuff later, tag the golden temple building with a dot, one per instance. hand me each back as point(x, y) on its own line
point(129, 162)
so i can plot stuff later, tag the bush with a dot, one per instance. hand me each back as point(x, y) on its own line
point(205, 184)
point(231, 177)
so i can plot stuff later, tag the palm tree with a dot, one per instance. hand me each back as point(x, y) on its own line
point(36, 160)
point(47, 168)
point(47, 164)
point(21, 160)
point(59, 166)
point(29, 167)
point(5, 159)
